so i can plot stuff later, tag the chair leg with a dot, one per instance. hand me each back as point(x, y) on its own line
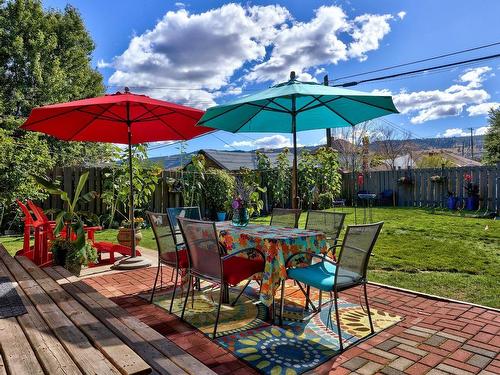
point(337, 316)
point(156, 280)
point(187, 296)
point(282, 303)
point(241, 292)
point(175, 288)
point(368, 310)
point(308, 291)
point(192, 293)
point(218, 313)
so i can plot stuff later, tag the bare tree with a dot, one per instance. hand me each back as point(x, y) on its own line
point(343, 142)
point(390, 145)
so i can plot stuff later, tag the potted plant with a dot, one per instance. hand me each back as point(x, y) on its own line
point(73, 247)
point(438, 179)
point(452, 201)
point(405, 181)
point(219, 186)
point(472, 190)
point(124, 236)
point(246, 202)
point(82, 256)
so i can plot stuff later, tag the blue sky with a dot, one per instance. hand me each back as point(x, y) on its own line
point(205, 52)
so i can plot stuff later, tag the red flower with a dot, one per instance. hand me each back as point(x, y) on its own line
point(467, 177)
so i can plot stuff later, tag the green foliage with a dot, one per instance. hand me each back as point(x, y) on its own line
point(318, 173)
point(69, 217)
point(492, 138)
point(116, 186)
point(219, 187)
point(194, 180)
point(17, 164)
point(80, 257)
point(276, 178)
point(45, 57)
point(433, 161)
point(325, 200)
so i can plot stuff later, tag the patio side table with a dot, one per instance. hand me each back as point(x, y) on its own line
point(367, 203)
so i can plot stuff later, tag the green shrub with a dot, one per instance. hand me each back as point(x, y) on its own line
point(219, 187)
point(325, 200)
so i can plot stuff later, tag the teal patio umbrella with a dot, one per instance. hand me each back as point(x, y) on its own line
point(295, 106)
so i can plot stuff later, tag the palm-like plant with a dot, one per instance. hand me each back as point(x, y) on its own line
point(69, 217)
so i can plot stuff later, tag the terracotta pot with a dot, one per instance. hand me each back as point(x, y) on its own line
point(124, 236)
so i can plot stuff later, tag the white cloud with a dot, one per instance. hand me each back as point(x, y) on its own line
point(205, 50)
point(429, 105)
point(202, 50)
point(457, 132)
point(482, 130)
point(272, 141)
point(368, 31)
point(482, 109)
point(402, 15)
point(305, 45)
point(453, 132)
point(180, 5)
point(101, 64)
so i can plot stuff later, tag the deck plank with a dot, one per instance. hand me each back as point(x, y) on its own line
point(89, 359)
point(114, 349)
point(52, 356)
point(149, 353)
point(161, 343)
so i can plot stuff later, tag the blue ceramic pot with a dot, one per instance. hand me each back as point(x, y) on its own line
point(472, 203)
point(221, 216)
point(452, 203)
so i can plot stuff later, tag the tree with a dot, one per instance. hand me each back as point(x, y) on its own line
point(390, 146)
point(492, 138)
point(45, 57)
point(434, 161)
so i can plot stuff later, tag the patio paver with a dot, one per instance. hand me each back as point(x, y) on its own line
point(435, 337)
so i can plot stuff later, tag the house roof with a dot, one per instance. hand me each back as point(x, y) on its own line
point(234, 160)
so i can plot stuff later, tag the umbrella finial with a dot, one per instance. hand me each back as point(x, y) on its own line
point(325, 80)
point(292, 76)
point(127, 90)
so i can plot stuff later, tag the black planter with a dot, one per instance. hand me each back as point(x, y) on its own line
point(60, 257)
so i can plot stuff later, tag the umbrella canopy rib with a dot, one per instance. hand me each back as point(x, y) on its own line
point(250, 119)
point(321, 104)
point(369, 104)
point(221, 114)
point(266, 108)
point(79, 130)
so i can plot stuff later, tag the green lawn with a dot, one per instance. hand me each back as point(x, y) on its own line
point(450, 256)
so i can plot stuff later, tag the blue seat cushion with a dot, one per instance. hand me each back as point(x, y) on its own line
point(322, 276)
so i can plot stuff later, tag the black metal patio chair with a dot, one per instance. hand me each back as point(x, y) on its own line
point(285, 218)
point(209, 261)
point(334, 277)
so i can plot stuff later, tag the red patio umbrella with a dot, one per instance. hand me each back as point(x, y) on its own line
point(124, 118)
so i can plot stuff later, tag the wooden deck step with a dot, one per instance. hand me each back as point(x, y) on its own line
point(89, 359)
point(112, 347)
point(94, 301)
point(53, 357)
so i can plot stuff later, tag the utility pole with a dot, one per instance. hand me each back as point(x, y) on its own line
point(328, 130)
point(471, 143)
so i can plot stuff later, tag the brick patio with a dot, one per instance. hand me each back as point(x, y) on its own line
point(435, 337)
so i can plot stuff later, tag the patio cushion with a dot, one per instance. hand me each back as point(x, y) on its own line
point(237, 269)
point(169, 258)
point(322, 276)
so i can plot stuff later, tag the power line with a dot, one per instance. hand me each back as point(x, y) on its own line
point(419, 61)
point(423, 70)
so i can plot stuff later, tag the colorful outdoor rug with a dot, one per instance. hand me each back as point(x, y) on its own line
point(299, 346)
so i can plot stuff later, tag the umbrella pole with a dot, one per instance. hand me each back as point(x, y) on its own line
point(132, 262)
point(131, 211)
point(295, 198)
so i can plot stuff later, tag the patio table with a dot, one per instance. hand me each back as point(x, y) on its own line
point(277, 244)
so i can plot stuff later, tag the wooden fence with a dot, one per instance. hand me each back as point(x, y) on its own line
point(422, 192)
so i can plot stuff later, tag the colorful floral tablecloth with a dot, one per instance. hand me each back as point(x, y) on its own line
point(276, 243)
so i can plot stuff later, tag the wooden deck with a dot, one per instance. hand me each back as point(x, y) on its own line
point(72, 329)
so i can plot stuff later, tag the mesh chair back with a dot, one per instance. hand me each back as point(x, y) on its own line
point(187, 212)
point(285, 218)
point(358, 244)
point(330, 223)
point(203, 248)
point(167, 249)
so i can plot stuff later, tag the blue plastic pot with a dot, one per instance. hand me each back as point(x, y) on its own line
point(472, 203)
point(452, 203)
point(221, 216)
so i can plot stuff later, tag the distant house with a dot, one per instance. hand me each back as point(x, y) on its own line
point(235, 160)
point(411, 160)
